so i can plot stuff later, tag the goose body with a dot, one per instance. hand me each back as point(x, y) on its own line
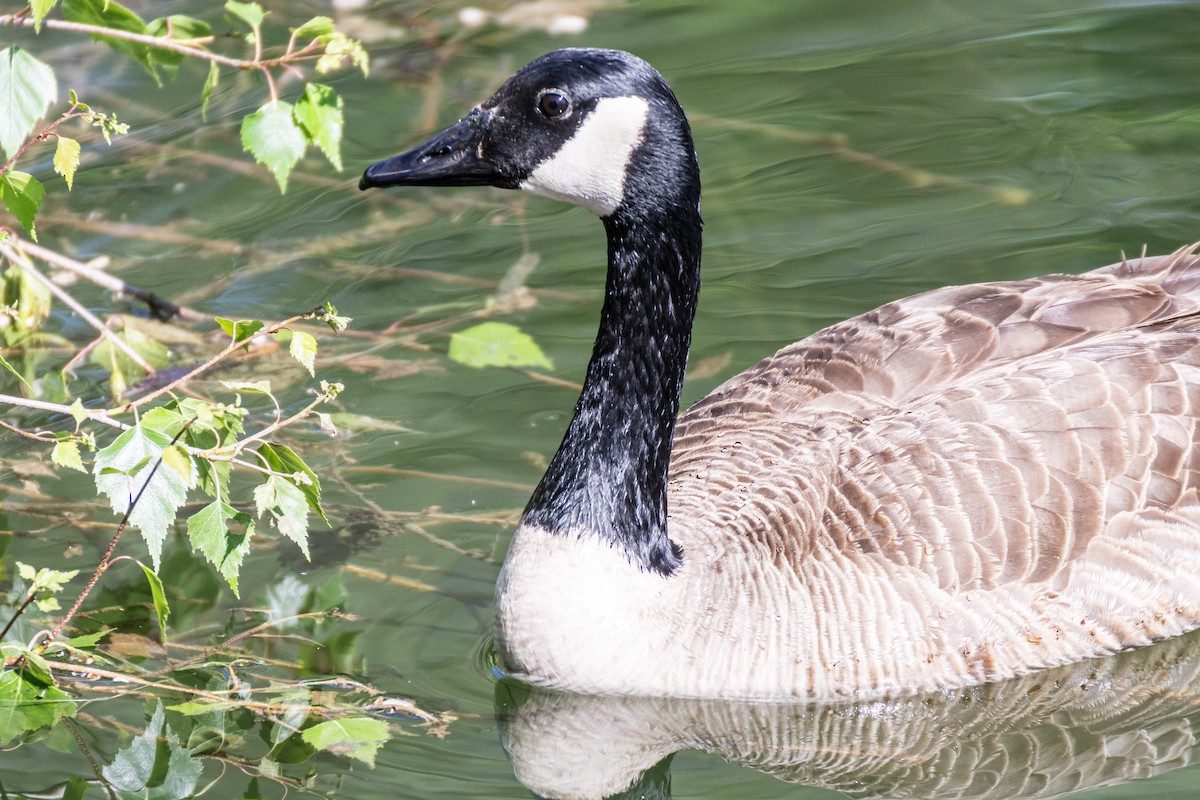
point(966, 485)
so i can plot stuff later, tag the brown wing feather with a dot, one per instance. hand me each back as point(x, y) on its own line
point(984, 434)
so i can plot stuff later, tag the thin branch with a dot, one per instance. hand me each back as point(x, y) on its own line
point(188, 47)
point(21, 610)
point(59, 408)
point(106, 560)
point(45, 438)
point(216, 359)
point(75, 306)
point(240, 445)
point(160, 308)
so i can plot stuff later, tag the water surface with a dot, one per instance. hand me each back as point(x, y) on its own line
point(852, 153)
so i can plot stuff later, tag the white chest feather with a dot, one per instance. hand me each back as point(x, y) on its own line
point(590, 169)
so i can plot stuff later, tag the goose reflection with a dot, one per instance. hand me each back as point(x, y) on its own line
point(1047, 735)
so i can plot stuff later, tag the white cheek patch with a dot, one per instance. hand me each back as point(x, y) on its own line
point(589, 170)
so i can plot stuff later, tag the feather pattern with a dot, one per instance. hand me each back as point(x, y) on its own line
point(962, 486)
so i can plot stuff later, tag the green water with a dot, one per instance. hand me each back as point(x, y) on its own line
point(851, 153)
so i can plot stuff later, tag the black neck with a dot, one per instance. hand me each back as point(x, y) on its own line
point(609, 476)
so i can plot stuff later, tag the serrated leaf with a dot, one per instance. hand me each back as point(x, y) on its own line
point(281, 458)
point(66, 454)
point(78, 412)
point(27, 706)
point(355, 737)
point(40, 9)
point(22, 194)
point(497, 344)
point(250, 13)
point(329, 315)
point(239, 330)
point(161, 609)
point(272, 136)
point(304, 349)
point(111, 14)
point(313, 29)
point(27, 88)
point(122, 468)
point(210, 86)
point(208, 531)
point(287, 507)
point(154, 757)
point(176, 458)
point(319, 112)
point(66, 159)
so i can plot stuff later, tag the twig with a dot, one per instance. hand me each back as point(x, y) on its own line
point(161, 309)
point(16, 614)
point(189, 47)
point(106, 560)
point(216, 359)
point(75, 306)
point(37, 437)
point(59, 408)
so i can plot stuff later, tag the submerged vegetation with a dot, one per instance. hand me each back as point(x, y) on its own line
point(182, 423)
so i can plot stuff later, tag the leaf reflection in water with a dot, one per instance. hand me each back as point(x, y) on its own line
point(1097, 723)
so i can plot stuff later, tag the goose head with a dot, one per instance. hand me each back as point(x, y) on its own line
point(571, 125)
point(600, 129)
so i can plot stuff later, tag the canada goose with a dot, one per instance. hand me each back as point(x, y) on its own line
point(966, 485)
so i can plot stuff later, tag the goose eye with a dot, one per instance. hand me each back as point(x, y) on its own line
point(554, 104)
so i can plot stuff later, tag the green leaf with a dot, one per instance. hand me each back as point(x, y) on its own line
point(75, 789)
point(497, 344)
point(122, 468)
point(40, 9)
point(85, 641)
point(44, 584)
point(161, 609)
point(304, 349)
point(338, 48)
point(288, 509)
point(4, 363)
point(152, 351)
point(254, 387)
point(26, 705)
point(192, 708)
point(66, 159)
point(153, 765)
point(27, 88)
point(111, 14)
point(241, 330)
point(22, 194)
point(272, 136)
point(336, 322)
point(250, 13)
point(281, 458)
point(66, 454)
point(355, 737)
point(176, 458)
point(180, 28)
point(313, 29)
point(319, 113)
point(208, 531)
point(78, 412)
point(210, 86)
